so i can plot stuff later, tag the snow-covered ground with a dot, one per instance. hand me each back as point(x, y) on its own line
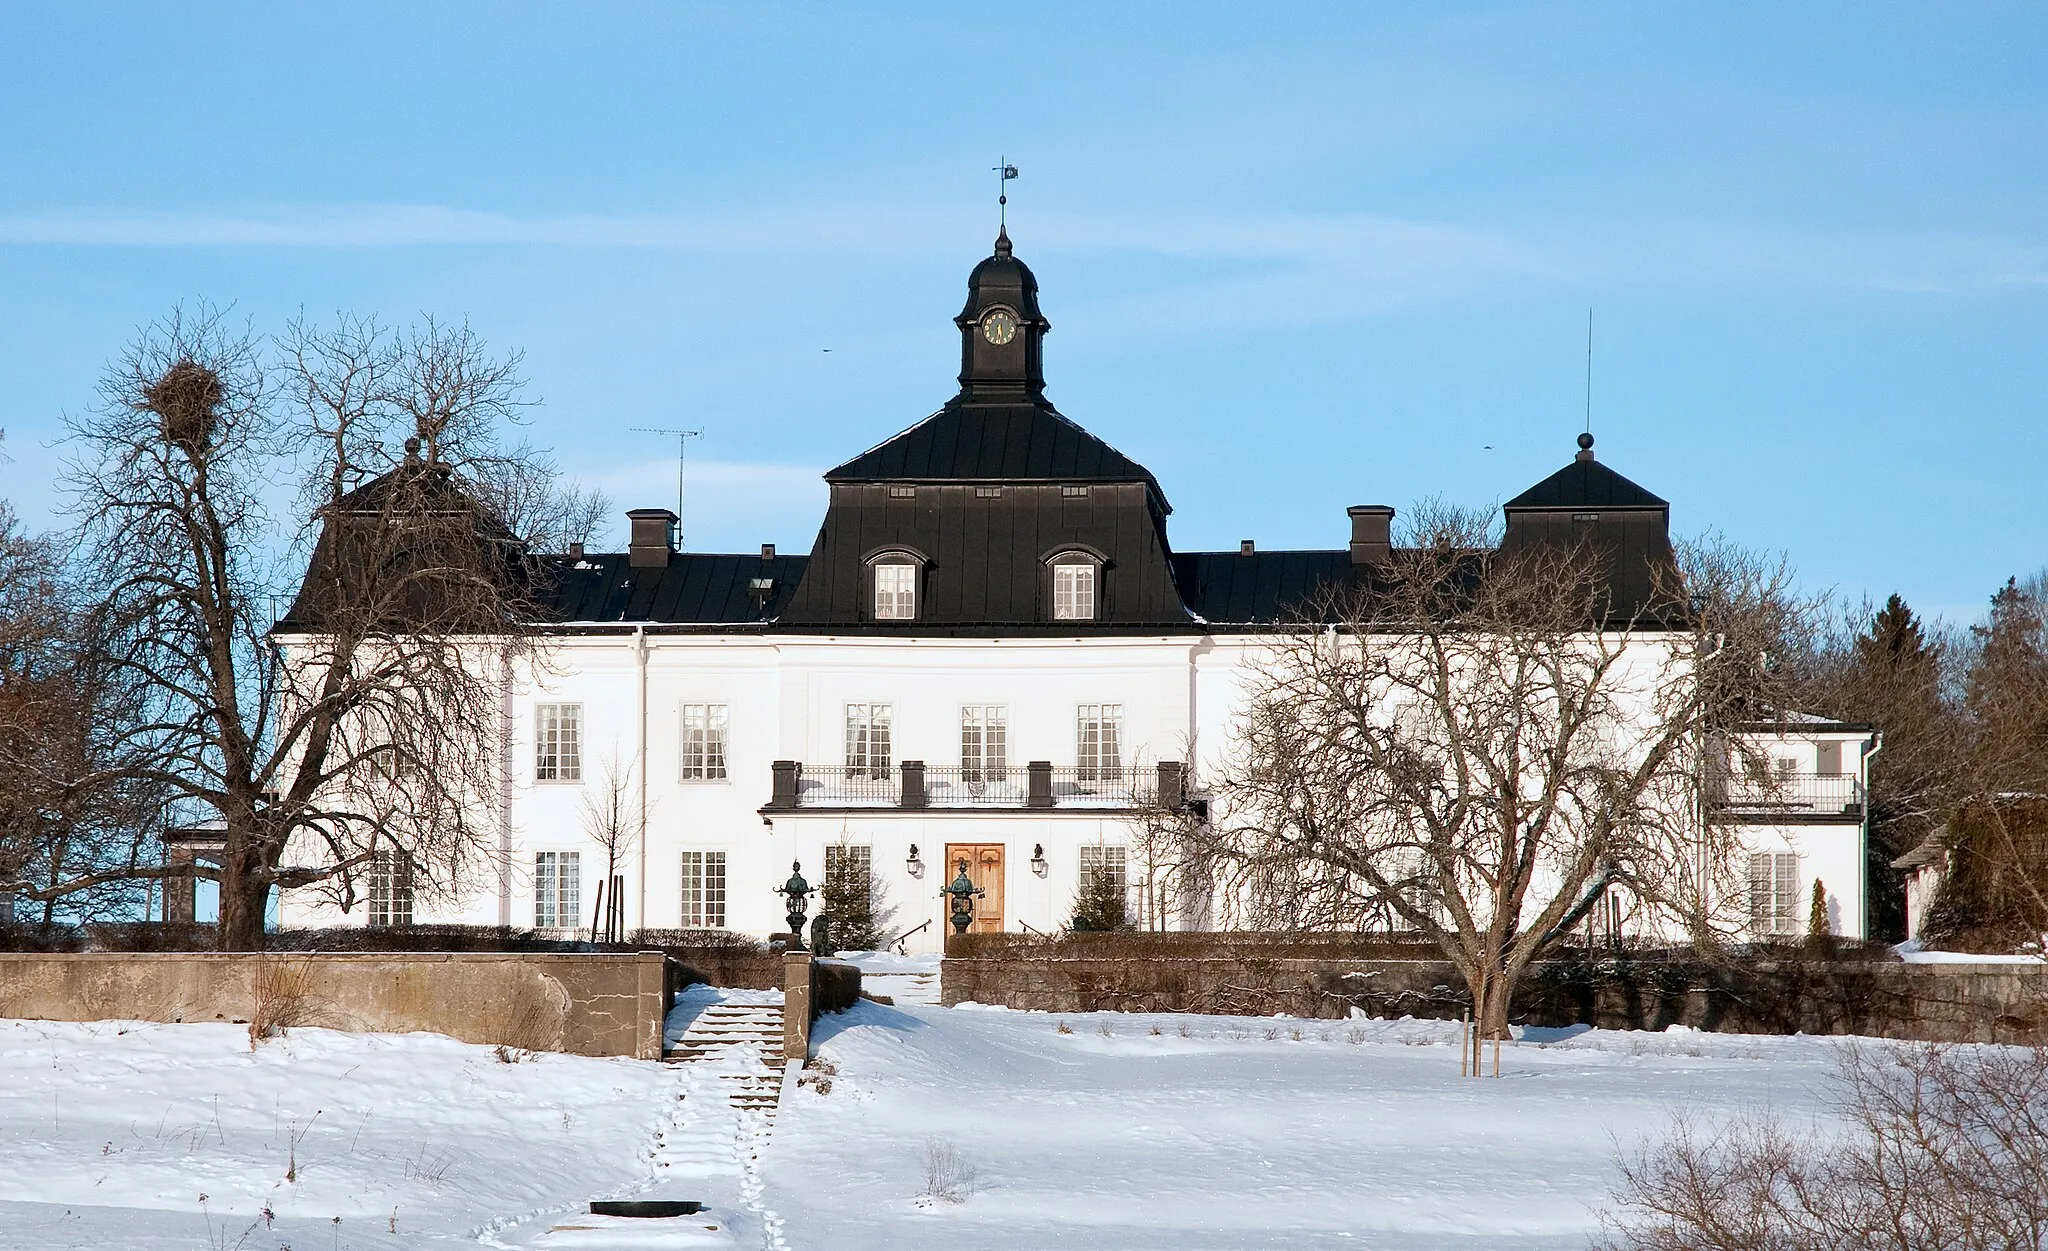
point(1128, 1131)
point(1183, 1132)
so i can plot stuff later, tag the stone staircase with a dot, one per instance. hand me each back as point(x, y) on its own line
point(741, 1044)
point(919, 988)
point(914, 980)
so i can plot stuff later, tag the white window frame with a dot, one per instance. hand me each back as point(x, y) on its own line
point(1076, 588)
point(391, 889)
point(1774, 894)
point(868, 746)
point(557, 890)
point(896, 589)
point(862, 854)
point(1098, 741)
point(704, 729)
point(984, 742)
point(1114, 858)
point(558, 742)
point(703, 892)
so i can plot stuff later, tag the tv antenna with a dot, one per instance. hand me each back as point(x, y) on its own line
point(682, 438)
point(1589, 371)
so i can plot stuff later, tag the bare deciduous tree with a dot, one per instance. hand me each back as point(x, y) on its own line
point(1945, 1147)
point(367, 720)
point(1483, 747)
point(67, 805)
point(611, 819)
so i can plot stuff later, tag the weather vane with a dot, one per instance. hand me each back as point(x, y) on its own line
point(1006, 171)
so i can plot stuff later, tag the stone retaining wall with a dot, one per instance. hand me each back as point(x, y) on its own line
point(1932, 1002)
point(593, 1004)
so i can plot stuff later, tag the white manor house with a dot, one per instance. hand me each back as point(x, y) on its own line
point(991, 654)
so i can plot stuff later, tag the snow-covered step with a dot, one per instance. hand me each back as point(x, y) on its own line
point(899, 979)
point(730, 1044)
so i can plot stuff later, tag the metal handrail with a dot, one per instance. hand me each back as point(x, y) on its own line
point(898, 940)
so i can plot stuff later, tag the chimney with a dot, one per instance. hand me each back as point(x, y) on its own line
point(1246, 547)
point(1372, 537)
point(575, 551)
point(767, 551)
point(653, 538)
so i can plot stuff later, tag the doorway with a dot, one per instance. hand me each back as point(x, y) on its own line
point(985, 870)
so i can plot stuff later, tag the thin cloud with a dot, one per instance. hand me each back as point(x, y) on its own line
point(1346, 262)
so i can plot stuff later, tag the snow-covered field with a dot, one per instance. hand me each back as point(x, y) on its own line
point(1129, 1131)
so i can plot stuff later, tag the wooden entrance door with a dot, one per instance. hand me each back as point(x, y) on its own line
point(985, 870)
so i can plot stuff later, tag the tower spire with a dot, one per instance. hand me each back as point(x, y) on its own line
point(1004, 172)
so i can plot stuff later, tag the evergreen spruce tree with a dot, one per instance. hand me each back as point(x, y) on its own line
point(1891, 676)
point(1817, 912)
point(2006, 693)
point(1099, 907)
point(852, 899)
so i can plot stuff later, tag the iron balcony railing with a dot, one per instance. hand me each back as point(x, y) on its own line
point(977, 788)
point(1788, 794)
point(1126, 786)
point(1035, 785)
point(848, 788)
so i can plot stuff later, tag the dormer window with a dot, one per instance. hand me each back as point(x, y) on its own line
point(1075, 579)
point(895, 587)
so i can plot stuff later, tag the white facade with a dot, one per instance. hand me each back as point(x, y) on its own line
point(993, 593)
point(785, 698)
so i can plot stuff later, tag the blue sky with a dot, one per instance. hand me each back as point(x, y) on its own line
point(1295, 257)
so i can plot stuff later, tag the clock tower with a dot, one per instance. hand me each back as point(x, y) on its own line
point(1002, 333)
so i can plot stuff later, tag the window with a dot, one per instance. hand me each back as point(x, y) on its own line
point(1074, 492)
point(988, 492)
point(391, 889)
point(867, 740)
point(1098, 740)
point(984, 742)
point(1107, 860)
point(895, 590)
point(1774, 893)
point(841, 857)
point(1073, 589)
point(558, 743)
point(704, 742)
point(704, 890)
point(902, 492)
point(557, 889)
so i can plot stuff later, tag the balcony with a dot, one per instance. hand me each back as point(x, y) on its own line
point(912, 786)
point(1788, 797)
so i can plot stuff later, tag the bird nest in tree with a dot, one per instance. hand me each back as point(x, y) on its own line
point(185, 399)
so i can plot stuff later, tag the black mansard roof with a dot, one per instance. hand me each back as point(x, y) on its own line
point(694, 588)
point(986, 494)
point(969, 441)
point(1585, 484)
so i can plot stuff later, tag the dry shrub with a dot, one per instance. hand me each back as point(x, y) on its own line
point(530, 1019)
point(948, 1177)
point(1945, 1147)
point(282, 991)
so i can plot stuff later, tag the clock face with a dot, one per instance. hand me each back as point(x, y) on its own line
point(999, 326)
